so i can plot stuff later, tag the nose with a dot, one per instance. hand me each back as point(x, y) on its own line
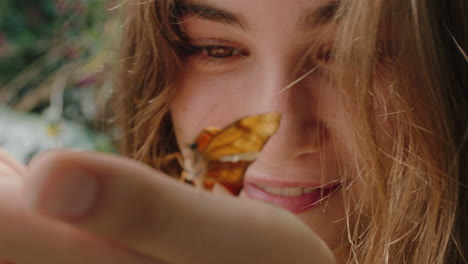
point(301, 131)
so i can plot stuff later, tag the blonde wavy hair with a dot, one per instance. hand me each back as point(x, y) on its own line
point(418, 185)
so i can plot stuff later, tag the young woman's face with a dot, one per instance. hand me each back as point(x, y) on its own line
point(244, 54)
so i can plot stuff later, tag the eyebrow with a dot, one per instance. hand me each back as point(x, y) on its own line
point(317, 16)
point(321, 15)
point(210, 12)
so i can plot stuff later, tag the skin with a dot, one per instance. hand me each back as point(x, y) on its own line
point(215, 91)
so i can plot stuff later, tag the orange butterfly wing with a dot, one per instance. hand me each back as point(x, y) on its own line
point(229, 174)
point(247, 135)
point(205, 136)
point(230, 151)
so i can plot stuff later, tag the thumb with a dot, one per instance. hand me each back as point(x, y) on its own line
point(147, 211)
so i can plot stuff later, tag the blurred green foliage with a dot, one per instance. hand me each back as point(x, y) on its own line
point(23, 23)
point(29, 29)
point(42, 39)
point(55, 56)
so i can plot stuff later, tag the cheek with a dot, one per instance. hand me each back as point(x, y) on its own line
point(331, 109)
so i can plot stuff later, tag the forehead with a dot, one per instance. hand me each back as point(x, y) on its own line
point(246, 14)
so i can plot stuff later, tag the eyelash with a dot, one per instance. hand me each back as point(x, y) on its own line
point(209, 51)
point(324, 55)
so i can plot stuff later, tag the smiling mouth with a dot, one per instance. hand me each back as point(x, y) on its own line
point(294, 199)
point(287, 192)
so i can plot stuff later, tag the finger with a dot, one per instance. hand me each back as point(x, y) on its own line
point(9, 166)
point(29, 238)
point(143, 209)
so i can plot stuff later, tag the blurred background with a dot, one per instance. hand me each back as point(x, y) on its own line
point(55, 60)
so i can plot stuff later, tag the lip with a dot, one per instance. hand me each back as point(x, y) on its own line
point(288, 184)
point(297, 204)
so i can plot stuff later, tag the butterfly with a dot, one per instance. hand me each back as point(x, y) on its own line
point(223, 155)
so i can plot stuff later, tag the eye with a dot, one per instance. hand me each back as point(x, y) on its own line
point(324, 55)
point(216, 52)
point(213, 55)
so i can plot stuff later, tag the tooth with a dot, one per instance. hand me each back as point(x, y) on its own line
point(289, 192)
point(292, 191)
point(309, 190)
point(260, 186)
point(277, 191)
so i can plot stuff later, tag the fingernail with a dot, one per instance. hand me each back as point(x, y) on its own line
point(68, 196)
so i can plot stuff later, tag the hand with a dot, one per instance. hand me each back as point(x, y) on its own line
point(144, 211)
point(31, 238)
